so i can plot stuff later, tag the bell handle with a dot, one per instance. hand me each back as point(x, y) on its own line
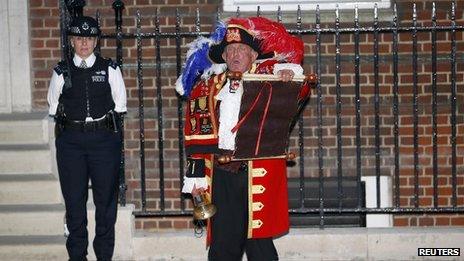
point(224, 159)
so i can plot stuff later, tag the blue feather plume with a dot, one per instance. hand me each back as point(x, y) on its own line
point(219, 32)
point(197, 61)
point(194, 67)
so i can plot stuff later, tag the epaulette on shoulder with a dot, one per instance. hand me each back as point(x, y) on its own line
point(219, 80)
point(60, 68)
point(112, 64)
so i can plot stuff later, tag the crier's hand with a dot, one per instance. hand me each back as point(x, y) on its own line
point(197, 191)
point(286, 75)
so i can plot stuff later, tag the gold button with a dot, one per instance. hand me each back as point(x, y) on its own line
point(257, 223)
point(257, 206)
point(258, 189)
point(259, 172)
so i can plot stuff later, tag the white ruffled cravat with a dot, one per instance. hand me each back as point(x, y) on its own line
point(229, 110)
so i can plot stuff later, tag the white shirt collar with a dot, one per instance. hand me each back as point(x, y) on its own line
point(89, 60)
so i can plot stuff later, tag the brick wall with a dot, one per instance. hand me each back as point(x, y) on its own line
point(45, 53)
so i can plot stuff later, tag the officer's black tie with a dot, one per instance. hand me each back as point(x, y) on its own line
point(83, 64)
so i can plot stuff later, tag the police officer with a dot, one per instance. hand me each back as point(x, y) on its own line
point(88, 141)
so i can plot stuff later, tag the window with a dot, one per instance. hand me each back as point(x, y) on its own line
point(292, 5)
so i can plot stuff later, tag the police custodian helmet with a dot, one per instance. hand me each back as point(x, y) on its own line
point(84, 26)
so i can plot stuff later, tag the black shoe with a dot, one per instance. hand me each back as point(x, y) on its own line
point(78, 259)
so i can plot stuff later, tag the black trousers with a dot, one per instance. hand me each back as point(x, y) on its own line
point(82, 156)
point(230, 223)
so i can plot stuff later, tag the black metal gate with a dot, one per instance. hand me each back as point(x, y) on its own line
point(374, 32)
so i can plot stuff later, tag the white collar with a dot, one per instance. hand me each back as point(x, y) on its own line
point(89, 60)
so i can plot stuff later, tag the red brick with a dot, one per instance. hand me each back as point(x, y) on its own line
point(53, 43)
point(457, 221)
point(426, 221)
point(150, 224)
point(36, 43)
point(51, 3)
point(400, 222)
point(165, 224)
point(40, 33)
point(442, 221)
point(41, 54)
point(177, 224)
point(42, 37)
point(39, 12)
point(52, 22)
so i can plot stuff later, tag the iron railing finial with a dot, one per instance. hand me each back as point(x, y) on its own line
point(118, 6)
point(75, 7)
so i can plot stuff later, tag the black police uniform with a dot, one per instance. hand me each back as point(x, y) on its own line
point(88, 147)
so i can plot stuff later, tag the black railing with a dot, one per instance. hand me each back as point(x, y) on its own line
point(319, 30)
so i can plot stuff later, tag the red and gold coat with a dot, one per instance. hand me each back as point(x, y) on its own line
point(267, 179)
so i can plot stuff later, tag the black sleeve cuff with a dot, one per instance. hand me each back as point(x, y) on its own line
point(195, 168)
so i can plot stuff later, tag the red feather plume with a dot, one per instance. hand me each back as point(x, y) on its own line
point(274, 38)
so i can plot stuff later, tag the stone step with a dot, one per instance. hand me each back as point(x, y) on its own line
point(33, 248)
point(313, 244)
point(29, 189)
point(36, 219)
point(52, 247)
point(24, 128)
point(168, 246)
point(25, 159)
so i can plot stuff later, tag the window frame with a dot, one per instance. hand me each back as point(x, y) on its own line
point(292, 5)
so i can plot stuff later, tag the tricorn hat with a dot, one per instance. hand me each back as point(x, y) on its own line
point(84, 26)
point(237, 34)
point(268, 38)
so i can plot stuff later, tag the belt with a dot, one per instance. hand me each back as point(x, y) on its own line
point(87, 126)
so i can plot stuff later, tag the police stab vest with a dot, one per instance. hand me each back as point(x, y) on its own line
point(90, 94)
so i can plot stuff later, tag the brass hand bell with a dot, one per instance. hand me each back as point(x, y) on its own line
point(203, 209)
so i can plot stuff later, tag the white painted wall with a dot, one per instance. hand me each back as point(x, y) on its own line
point(15, 62)
point(378, 220)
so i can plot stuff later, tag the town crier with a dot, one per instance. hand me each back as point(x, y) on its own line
point(250, 195)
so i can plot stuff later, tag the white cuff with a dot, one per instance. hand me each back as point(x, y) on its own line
point(52, 109)
point(296, 68)
point(189, 183)
point(119, 108)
